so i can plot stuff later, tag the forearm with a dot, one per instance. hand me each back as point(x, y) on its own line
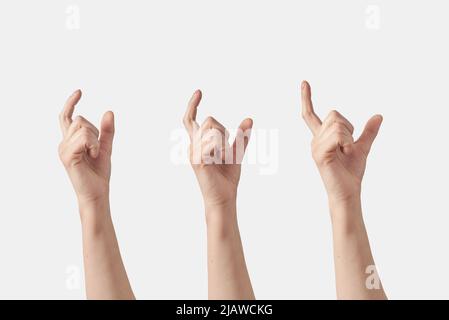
point(228, 277)
point(352, 253)
point(105, 273)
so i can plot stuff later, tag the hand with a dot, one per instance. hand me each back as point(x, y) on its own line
point(340, 160)
point(217, 165)
point(85, 153)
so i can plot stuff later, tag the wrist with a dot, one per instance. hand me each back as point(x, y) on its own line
point(344, 198)
point(95, 215)
point(90, 200)
point(346, 216)
point(221, 220)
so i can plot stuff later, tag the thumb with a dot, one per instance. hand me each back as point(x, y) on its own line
point(107, 130)
point(242, 139)
point(368, 135)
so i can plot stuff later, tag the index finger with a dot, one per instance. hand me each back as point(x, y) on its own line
point(190, 115)
point(308, 114)
point(65, 118)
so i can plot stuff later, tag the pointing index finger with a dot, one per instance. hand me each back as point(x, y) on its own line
point(190, 115)
point(65, 118)
point(308, 114)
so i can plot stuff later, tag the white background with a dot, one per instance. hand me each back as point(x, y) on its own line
point(143, 60)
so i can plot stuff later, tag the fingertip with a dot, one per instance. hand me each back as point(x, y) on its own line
point(304, 85)
point(306, 90)
point(381, 118)
point(109, 114)
point(247, 124)
point(73, 99)
point(77, 93)
point(377, 120)
point(195, 99)
point(107, 122)
point(197, 94)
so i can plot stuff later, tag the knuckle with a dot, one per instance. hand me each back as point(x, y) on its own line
point(216, 133)
point(84, 133)
point(209, 120)
point(333, 113)
point(64, 157)
point(350, 127)
point(316, 156)
point(84, 130)
point(81, 121)
point(340, 134)
point(343, 138)
point(339, 126)
point(96, 131)
point(305, 114)
point(77, 121)
point(314, 148)
point(61, 148)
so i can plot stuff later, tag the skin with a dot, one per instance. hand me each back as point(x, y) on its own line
point(86, 153)
point(228, 277)
point(341, 161)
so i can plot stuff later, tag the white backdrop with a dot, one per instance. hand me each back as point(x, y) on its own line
point(143, 60)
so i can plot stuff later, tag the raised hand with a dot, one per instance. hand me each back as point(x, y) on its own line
point(217, 166)
point(85, 153)
point(340, 160)
point(216, 163)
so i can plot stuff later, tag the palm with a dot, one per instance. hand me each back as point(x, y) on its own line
point(91, 176)
point(218, 181)
point(344, 170)
point(352, 160)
